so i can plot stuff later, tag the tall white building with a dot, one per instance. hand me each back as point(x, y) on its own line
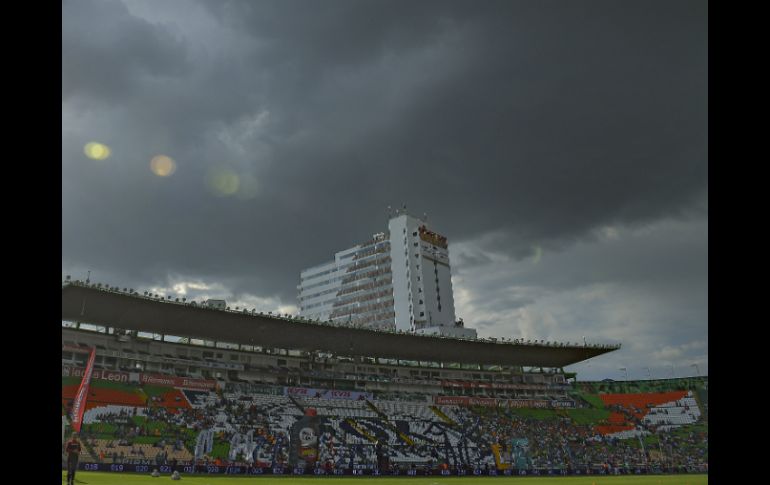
point(399, 280)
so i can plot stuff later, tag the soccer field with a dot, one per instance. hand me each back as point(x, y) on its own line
point(97, 478)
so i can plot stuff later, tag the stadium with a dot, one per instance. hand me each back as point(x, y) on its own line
point(176, 386)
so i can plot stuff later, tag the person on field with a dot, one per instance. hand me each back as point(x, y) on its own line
point(73, 455)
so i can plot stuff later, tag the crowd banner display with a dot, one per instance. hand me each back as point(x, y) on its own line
point(304, 435)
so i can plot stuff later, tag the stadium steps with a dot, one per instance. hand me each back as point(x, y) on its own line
point(442, 416)
point(700, 396)
point(386, 421)
point(353, 424)
point(87, 453)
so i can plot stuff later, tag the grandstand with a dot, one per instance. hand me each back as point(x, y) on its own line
point(234, 391)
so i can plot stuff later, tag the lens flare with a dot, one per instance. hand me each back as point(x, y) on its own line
point(223, 181)
point(538, 254)
point(248, 188)
point(96, 151)
point(162, 165)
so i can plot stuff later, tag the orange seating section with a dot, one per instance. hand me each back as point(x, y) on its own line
point(642, 400)
point(104, 395)
point(173, 399)
point(612, 428)
point(633, 404)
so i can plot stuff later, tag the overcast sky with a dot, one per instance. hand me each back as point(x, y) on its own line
point(561, 146)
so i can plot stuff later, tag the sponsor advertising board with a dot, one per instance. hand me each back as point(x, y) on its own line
point(326, 393)
point(151, 379)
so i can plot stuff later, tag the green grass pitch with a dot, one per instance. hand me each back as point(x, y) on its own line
point(99, 478)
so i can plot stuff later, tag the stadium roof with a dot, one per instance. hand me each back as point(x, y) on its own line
point(87, 304)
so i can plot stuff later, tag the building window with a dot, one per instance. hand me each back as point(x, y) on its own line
point(414, 233)
point(421, 302)
point(415, 244)
point(422, 314)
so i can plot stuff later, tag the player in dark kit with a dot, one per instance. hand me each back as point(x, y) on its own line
point(73, 454)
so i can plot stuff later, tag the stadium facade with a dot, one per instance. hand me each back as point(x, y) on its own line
point(150, 334)
point(400, 279)
point(243, 392)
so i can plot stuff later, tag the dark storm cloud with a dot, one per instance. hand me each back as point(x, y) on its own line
point(106, 52)
point(547, 120)
point(514, 125)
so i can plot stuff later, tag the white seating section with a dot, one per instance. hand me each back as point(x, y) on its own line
point(406, 410)
point(95, 414)
point(631, 433)
point(673, 414)
point(338, 407)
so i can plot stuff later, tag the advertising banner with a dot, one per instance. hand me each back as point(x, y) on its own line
point(487, 385)
point(152, 379)
point(525, 403)
point(189, 470)
point(79, 403)
point(326, 393)
point(173, 381)
point(451, 400)
point(562, 404)
point(508, 403)
point(483, 401)
point(105, 375)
